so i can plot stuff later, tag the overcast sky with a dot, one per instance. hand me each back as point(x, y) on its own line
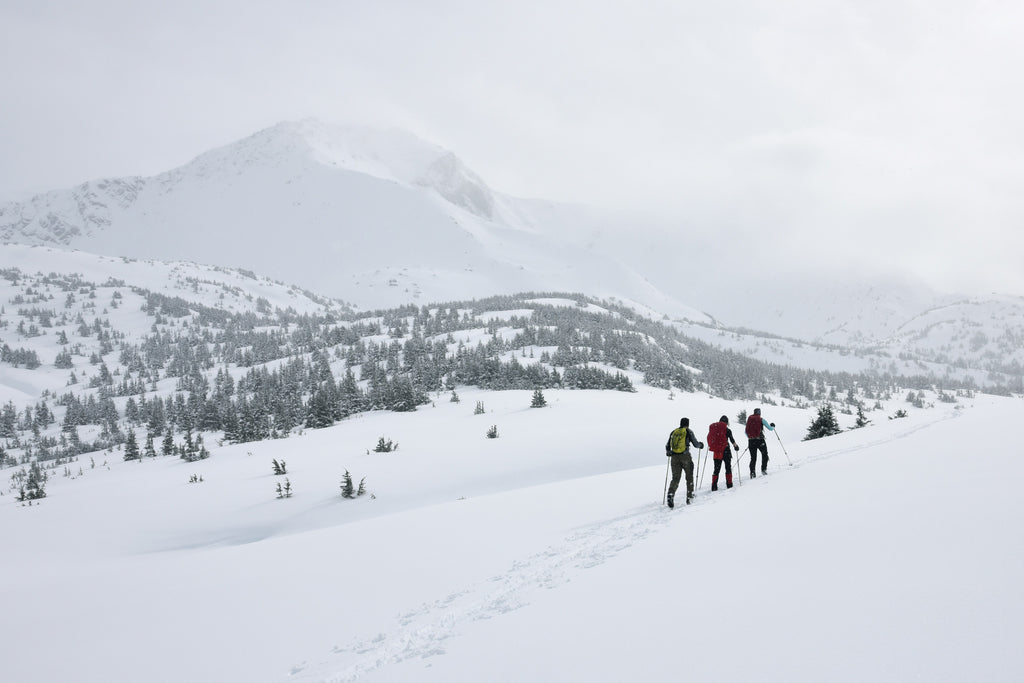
point(891, 132)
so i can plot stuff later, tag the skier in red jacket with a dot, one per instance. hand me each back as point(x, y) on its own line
point(755, 441)
point(719, 438)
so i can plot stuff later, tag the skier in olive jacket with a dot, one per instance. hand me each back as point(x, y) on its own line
point(678, 448)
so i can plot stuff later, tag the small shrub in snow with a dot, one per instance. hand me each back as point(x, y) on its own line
point(385, 446)
point(479, 410)
point(492, 433)
point(348, 488)
point(286, 490)
point(279, 467)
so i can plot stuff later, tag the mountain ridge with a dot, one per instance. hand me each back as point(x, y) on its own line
point(381, 218)
point(335, 212)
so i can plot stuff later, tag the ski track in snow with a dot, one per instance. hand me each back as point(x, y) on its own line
point(910, 431)
point(422, 632)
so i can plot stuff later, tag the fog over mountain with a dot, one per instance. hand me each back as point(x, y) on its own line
point(381, 218)
point(378, 218)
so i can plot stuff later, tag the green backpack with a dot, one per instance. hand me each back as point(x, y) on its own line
point(677, 442)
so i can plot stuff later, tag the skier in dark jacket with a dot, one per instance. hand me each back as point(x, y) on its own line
point(755, 441)
point(725, 455)
point(678, 448)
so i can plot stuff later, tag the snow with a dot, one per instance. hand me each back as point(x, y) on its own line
point(885, 553)
point(544, 554)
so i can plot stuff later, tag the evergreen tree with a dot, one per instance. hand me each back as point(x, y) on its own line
point(131, 411)
point(348, 489)
point(34, 487)
point(862, 419)
point(63, 360)
point(319, 412)
point(8, 421)
point(825, 424)
point(538, 399)
point(131, 447)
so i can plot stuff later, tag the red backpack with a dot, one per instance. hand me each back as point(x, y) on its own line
point(717, 439)
point(754, 427)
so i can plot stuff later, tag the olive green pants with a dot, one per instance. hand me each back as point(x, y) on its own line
point(681, 462)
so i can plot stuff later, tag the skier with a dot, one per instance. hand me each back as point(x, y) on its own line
point(678, 448)
point(755, 441)
point(719, 438)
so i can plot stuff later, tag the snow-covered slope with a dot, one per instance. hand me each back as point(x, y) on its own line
point(540, 554)
point(544, 554)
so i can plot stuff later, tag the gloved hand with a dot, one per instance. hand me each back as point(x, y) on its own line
point(701, 445)
point(772, 424)
point(668, 453)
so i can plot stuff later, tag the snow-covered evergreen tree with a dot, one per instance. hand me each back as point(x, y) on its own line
point(825, 424)
point(348, 489)
point(131, 447)
point(538, 399)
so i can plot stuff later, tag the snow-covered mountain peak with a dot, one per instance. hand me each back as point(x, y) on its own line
point(274, 146)
point(394, 155)
point(387, 154)
point(459, 185)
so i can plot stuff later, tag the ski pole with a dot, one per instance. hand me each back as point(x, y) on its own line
point(696, 470)
point(704, 460)
point(664, 498)
point(698, 476)
point(783, 448)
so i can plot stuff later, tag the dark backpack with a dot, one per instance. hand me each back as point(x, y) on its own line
point(717, 439)
point(754, 427)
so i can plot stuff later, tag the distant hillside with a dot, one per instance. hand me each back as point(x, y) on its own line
point(166, 354)
point(981, 339)
point(382, 219)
